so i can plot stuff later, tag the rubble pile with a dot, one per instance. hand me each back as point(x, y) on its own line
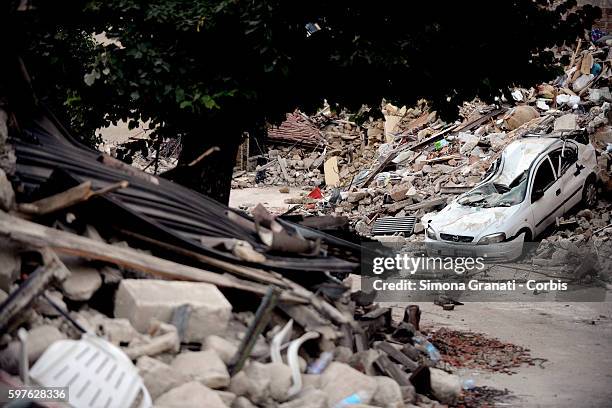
point(208, 321)
point(474, 350)
point(301, 145)
point(143, 153)
point(412, 162)
point(484, 397)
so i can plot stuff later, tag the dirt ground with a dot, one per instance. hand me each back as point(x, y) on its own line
point(270, 197)
point(575, 338)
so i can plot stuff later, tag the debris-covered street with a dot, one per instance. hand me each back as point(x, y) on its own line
point(569, 343)
point(172, 235)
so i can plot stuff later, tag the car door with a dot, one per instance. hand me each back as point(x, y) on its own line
point(572, 179)
point(545, 195)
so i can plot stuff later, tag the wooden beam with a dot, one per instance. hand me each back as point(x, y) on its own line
point(391, 369)
point(397, 355)
point(32, 234)
point(37, 282)
point(235, 269)
point(403, 205)
point(259, 323)
point(68, 198)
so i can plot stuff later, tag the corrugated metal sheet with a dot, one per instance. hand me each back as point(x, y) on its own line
point(391, 225)
point(161, 207)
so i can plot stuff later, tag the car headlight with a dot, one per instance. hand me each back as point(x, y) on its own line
point(492, 238)
point(430, 233)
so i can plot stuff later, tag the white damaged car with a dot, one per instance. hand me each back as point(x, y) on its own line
point(535, 180)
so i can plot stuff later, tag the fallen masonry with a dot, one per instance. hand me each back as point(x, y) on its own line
point(203, 305)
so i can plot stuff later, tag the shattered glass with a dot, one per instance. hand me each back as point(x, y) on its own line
point(496, 194)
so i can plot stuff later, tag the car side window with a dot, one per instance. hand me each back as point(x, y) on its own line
point(555, 159)
point(544, 177)
point(570, 156)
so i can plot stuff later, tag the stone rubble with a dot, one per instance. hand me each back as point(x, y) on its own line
point(448, 166)
point(188, 363)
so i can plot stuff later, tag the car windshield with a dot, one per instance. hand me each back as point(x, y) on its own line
point(498, 192)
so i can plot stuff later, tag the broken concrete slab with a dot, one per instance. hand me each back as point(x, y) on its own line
point(364, 361)
point(7, 195)
point(41, 337)
point(341, 380)
point(82, 283)
point(190, 395)
point(227, 397)
point(159, 377)
point(388, 393)
point(354, 197)
point(141, 300)
point(253, 382)
point(10, 266)
point(280, 381)
point(566, 122)
point(203, 366)
point(225, 349)
point(308, 398)
point(242, 402)
point(445, 387)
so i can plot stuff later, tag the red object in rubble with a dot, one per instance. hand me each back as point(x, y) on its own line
point(316, 193)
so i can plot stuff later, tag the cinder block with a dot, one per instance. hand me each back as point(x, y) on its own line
point(141, 300)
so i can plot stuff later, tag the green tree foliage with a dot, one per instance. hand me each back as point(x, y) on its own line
point(209, 70)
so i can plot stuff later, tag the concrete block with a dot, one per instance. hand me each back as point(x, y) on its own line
point(190, 395)
point(566, 122)
point(141, 300)
point(224, 348)
point(82, 282)
point(341, 380)
point(203, 366)
point(159, 377)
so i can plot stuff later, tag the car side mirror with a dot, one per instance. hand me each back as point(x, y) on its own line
point(537, 194)
point(578, 169)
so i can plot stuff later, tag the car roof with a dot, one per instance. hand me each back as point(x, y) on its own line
point(529, 148)
point(520, 154)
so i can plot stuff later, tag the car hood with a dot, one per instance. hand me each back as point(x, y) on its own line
point(456, 219)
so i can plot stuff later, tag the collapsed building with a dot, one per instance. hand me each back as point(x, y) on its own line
point(111, 273)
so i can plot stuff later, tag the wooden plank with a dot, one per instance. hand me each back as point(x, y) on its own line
point(32, 234)
point(68, 198)
point(332, 174)
point(479, 121)
point(391, 369)
point(397, 355)
point(235, 269)
point(432, 138)
point(37, 282)
point(366, 182)
point(411, 352)
point(403, 205)
point(443, 159)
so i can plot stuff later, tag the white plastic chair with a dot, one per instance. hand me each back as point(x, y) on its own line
point(97, 374)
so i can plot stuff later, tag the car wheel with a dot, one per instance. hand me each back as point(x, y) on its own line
point(589, 193)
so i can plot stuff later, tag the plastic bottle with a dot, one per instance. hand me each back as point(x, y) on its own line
point(321, 363)
point(439, 144)
point(468, 384)
point(360, 397)
point(432, 351)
